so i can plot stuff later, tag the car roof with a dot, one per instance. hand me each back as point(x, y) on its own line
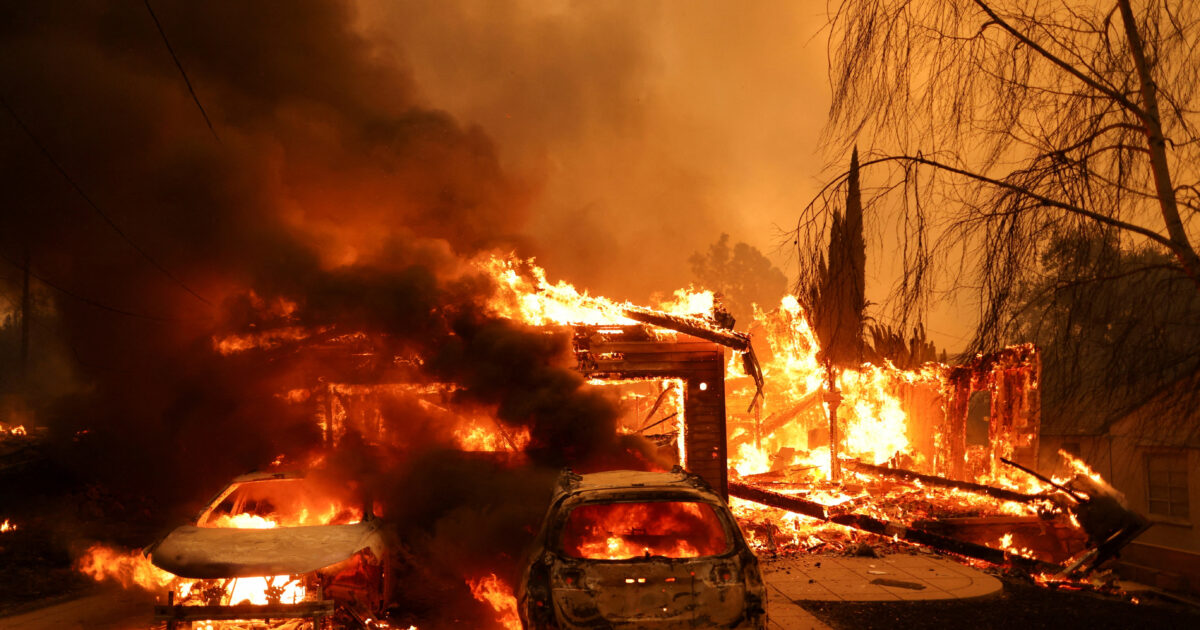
point(679, 479)
point(267, 475)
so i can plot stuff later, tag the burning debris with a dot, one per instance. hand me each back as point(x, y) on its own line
point(506, 386)
point(920, 468)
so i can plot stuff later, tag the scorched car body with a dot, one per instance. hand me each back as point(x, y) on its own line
point(341, 567)
point(586, 572)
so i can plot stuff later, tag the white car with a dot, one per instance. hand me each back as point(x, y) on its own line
point(276, 546)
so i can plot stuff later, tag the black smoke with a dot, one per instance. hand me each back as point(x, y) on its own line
point(326, 184)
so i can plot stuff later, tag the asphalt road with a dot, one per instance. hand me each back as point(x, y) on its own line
point(111, 608)
point(104, 608)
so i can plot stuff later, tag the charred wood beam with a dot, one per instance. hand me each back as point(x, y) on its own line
point(887, 529)
point(691, 326)
point(662, 395)
point(780, 418)
point(941, 482)
point(700, 329)
point(778, 500)
point(1109, 548)
point(664, 419)
point(1044, 479)
point(244, 611)
point(773, 475)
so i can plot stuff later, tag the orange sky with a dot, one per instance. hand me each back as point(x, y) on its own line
point(647, 128)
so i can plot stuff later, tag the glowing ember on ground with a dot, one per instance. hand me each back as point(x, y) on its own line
point(495, 593)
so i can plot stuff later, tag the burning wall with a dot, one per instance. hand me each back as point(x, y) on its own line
point(640, 352)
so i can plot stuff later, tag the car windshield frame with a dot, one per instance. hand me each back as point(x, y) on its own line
point(210, 511)
point(570, 504)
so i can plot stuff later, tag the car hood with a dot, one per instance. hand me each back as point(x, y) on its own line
point(211, 553)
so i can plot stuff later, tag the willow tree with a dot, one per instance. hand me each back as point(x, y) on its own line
point(1000, 127)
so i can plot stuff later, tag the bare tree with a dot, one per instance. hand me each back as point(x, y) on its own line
point(998, 127)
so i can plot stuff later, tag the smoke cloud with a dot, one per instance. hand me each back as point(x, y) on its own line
point(344, 181)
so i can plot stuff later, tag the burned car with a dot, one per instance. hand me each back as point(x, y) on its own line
point(276, 546)
point(640, 550)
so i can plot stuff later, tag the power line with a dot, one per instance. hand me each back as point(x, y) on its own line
point(182, 72)
point(112, 224)
point(87, 300)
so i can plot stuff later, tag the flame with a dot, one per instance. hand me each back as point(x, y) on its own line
point(7, 526)
point(789, 434)
point(14, 430)
point(133, 569)
point(295, 503)
point(266, 340)
point(1080, 468)
point(253, 590)
point(524, 294)
point(495, 593)
point(128, 568)
point(618, 531)
point(473, 436)
point(242, 521)
point(873, 424)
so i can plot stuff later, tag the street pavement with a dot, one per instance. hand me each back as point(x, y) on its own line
point(790, 582)
point(900, 577)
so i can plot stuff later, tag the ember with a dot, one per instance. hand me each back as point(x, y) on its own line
point(13, 430)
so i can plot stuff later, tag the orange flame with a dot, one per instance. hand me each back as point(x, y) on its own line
point(616, 531)
point(128, 568)
point(495, 593)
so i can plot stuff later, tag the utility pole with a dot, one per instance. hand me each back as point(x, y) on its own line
point(25, 311)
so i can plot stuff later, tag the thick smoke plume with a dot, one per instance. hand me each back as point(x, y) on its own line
point(327, 195)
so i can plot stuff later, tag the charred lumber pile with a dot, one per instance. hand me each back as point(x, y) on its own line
point(1046, 543)
point(887, 529)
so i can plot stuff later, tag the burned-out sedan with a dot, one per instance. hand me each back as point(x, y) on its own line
point(628, 549)
point(276, 546)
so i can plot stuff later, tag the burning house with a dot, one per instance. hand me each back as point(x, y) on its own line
point(943, 457)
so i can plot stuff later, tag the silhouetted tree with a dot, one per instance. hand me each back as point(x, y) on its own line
point(998, 126)
point(742, 275)
point(1104, 351)
point(889, 344)
point(834, 296)
point(1007, 137)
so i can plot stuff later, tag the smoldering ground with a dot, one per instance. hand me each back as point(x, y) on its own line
point(323, 184)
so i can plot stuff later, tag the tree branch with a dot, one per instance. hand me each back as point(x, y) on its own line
point(1072, 70)
point(1044, 200)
